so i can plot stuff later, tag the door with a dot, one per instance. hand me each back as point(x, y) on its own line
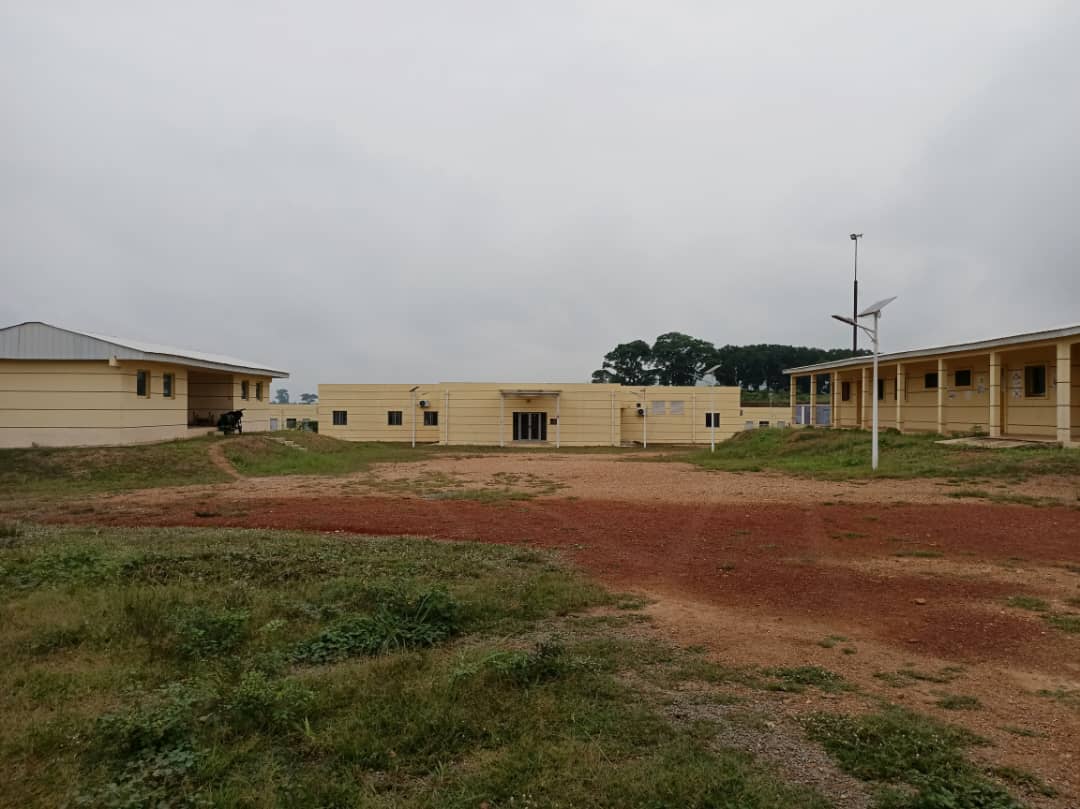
point(530, 426)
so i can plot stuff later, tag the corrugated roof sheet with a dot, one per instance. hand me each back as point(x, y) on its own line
point(43, 341)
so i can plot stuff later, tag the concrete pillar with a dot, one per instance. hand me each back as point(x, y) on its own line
point(942, 382)
point(995, 394)
point(813, 399)
point(864, 387)
point(794, 384)
point(1063, 393)
point(901, 392)
point(834, 397)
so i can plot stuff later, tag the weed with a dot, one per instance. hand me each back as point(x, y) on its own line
point(1024, 779)
point(908, 676)
point(47, 640)
point(201, 632)
point(261, 703)
point(1028, 603)
point(896, 745)
point(398, 624)
point(959, 702)
point(830, 641)
point(798, 678)
point(920, 554)
point(1019, 731)
point(1064, 622)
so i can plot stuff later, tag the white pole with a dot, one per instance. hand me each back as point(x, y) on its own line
point(874, 451)
point(412, 399)
point(502, 410)
point(712, 421)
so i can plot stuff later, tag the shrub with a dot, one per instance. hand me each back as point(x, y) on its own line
point(546, 661)
point(262, 703)
point(201, 632)
point(402, 622)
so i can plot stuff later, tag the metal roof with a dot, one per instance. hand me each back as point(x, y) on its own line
point(35, 340)
point(958, 348)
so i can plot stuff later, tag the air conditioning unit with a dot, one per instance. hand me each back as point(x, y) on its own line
point(641, 411)
point(423, 403)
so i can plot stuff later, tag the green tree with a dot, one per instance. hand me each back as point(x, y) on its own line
point(309, 398)
point(281, 396)
point(628, 364)
point(680, 359)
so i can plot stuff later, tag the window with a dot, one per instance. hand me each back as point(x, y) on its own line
point(243, 389)
point(393, 418)
point(881, 390)
point(431, 418)
point(142, 383)
point(930, 381)
point(712, 420)
point(1035, 380)
point(962, 379)
point(168, 383)
point(258, 391)
point(658, 408)
point(341, 418)
point(677, 408)
point(845, 391)
point(290, 423)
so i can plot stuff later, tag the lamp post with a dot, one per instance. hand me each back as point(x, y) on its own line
point(712, 405)
point(412, 401)
point(874, 312)
point(855, 308)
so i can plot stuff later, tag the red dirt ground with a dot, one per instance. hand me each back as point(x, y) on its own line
point(837, 563)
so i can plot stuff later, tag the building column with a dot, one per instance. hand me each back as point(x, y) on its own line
point(1064, 393)
point(794, 384)
point(834, 397)
point(813, 399)
point(901, 392)
point(995, 394)
point(864, 397)
point(942, 381)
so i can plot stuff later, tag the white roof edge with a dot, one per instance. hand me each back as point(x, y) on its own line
point(976, 345)
point(155, 351)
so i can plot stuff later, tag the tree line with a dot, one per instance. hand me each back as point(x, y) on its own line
point(679, 359)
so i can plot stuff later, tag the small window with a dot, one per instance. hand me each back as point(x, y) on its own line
point(677, 408)
point(712, 419)
point(431, 418)
point(258, 391)
point(658, 408)
point(930, 381)
point(341, 418)
point(881, 390)
point(290, 423)
point(1035, 380)
point(845, 391)
point(962, 379)
point(393, 418)
point(142, 383)
point(763, 424)
point(168, 383)
point(243, 389)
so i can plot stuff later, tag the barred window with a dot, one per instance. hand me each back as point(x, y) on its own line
point(677, 408)
point(658, 408)
point(393, 418)
point(341, 418)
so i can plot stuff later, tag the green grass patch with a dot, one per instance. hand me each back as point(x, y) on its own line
point(1066, 622)
point(959, 702)
point(905, 677)
point(797, 679)
point(1028, 603)
point(918, 762)
point(83, 470)
point(205, 667)
point(919, 554)
point(1024, 779)
point(845, 454)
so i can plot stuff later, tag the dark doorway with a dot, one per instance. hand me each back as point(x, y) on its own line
point(530, 426)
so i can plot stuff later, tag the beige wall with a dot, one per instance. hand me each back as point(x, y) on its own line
point(72, 403)
point(477, 413)
point(283, 412)
point(774, 414)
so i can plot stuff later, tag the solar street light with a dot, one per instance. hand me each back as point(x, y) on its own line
point(873, 311)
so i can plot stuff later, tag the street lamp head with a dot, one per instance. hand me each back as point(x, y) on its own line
point(847, 320)
point(875, 309)
point(855, 236)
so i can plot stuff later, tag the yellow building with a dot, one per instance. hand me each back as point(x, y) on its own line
point(291, 416)
point(60, 387)
point(560, 415)
point(1023, 386)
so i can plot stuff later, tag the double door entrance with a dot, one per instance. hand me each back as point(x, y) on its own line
point(530, 426)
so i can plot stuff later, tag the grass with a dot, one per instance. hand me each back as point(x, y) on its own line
point(959, 702)
point(1066, 622)
point(798, 679)
point(905, 677)
point(1028, 603)
point(916, 761)
point(84, 470)
point(845, 454)
point(192, 667)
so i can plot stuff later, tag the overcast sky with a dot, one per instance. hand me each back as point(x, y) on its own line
point(426, 191)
